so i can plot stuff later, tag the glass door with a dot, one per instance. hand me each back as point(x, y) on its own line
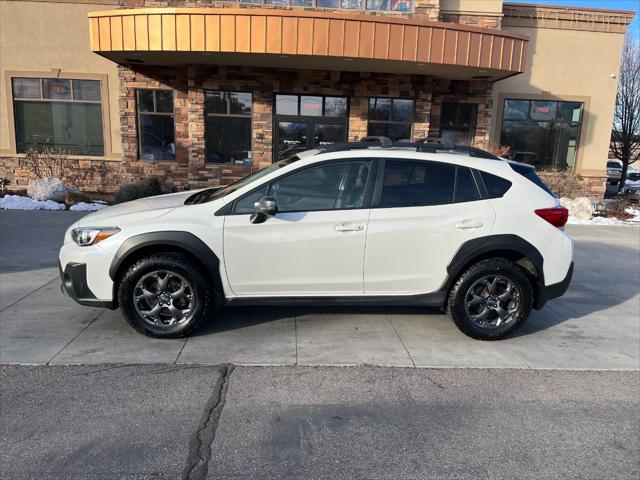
point(302, 122)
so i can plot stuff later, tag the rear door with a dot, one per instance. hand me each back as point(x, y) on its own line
point(422, 212)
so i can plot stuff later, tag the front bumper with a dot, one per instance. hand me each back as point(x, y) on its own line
point(548, 292)
point(74, 285)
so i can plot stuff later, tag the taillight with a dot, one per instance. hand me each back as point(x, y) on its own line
point(555, 216)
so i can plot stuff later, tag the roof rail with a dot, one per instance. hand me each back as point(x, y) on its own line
point(423, 146)
point(365, 142)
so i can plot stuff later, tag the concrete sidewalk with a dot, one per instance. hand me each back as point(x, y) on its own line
point(596, 325)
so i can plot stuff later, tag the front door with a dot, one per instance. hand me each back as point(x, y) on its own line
point(302, 122)
point(314, 245)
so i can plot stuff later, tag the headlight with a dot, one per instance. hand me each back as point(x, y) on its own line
point(85, 236)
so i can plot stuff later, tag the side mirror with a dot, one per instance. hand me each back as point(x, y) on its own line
point(265, 207)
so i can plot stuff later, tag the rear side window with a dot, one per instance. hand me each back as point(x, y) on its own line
point(466, 188)
point(530, 174)
point(410, 183)
point(496, 186)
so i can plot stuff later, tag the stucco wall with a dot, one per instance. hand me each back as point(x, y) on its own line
point(41, 37)
point(565, 64)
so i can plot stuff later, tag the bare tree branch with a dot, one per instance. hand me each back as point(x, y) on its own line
point(625, 138)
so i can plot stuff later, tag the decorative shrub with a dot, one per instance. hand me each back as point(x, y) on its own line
point(564, 183)
point(147, 188)
point(492, 147)
point(617, 208)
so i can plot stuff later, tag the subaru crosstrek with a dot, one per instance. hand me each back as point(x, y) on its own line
point(361, 223)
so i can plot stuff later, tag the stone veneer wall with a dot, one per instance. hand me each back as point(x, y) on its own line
point(189, 169)
point(487, 21)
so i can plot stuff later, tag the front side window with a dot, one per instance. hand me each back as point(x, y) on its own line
point(410, 183)
point(228, 127)
point(391, 117)
point(543, 133)
point(63, 113)
point(336, 186)
point(156, 125)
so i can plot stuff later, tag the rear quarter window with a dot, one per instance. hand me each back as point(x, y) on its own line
point(496, 186)
point(530, 174)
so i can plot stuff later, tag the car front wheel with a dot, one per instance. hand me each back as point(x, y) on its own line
point(491, 300)
point(165, 295)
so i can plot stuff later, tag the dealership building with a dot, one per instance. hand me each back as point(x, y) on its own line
point(200, 93)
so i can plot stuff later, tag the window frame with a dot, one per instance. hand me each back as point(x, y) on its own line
point(155, 113)
point(227, 115)
point(105, 100)
point(307, 94)
point(369, 187)
point(389, 121)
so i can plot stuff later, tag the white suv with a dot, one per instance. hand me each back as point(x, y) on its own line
point(361, 223)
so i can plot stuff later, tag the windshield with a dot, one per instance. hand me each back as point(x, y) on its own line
point(215, 193)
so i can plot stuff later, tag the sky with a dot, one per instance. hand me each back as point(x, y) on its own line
point(611, 4)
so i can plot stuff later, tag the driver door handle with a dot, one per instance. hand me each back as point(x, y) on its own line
point(348, 227)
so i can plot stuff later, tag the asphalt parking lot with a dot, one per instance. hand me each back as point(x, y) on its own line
point(596, 325)
point(295, 393)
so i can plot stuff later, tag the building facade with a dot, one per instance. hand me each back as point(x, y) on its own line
point(200, 93)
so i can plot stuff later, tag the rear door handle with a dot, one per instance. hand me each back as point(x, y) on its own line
point(348, 228)
point(469, 224)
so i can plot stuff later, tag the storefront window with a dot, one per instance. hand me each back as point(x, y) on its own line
point(542, 132)
point(375, 5)
point(61, 113)
point(156, 128)
point(391, 117)
point(228, 127)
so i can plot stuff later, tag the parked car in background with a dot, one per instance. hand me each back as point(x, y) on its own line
point(454, 227)
point(614, 172)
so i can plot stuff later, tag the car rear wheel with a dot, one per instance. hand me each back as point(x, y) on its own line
point(491, 300)
point(165, 295)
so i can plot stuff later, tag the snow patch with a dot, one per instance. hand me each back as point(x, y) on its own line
point(17, 202)
point(87, 207)
point(635, 220)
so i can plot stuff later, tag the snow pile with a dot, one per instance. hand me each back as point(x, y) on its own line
point(17, 202)
point(635, 220)
point(87, 207)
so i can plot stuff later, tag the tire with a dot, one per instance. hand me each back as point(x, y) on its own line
point(481, 303)
point(173, 290)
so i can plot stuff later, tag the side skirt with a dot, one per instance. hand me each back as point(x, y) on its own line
point(435, 299)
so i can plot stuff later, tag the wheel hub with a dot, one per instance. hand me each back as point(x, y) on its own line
point(493, 301)
point(164, 299)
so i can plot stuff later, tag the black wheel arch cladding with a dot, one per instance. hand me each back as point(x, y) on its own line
point(478, 248)
point(177, 240)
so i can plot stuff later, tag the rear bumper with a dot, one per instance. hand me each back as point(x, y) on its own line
point(74, 285)
point(548, 292)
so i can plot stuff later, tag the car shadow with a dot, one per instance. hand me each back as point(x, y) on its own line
point(597, 285)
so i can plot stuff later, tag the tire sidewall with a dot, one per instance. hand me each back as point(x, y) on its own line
point(148, 265)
